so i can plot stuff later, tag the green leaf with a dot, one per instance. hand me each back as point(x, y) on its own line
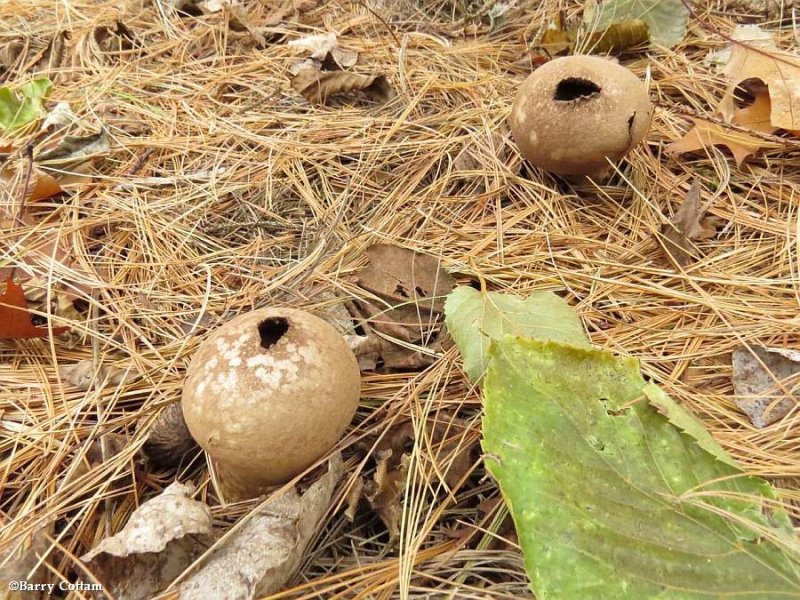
point(612, 501)
point(686, 422)
point(23, 105)
point(666, 18)
point(476, 318)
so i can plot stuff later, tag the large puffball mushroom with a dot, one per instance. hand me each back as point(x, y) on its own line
point(574, 114)
point(267, 395)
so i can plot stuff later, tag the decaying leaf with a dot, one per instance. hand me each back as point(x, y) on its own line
point(318, 86)
point(767, 382)
point(59, 116)
point(83, 375)
point(41, 186)
point(705, 134)
point(72, 149)
point(262, 554)
point(22, 562)
point(10, 53)
point(239, 20)
point(162, 537)
point(410, 289)
point(168, 440)
point(476, 319)
point(666, 19)
point(15, 320)
point(450, 441)
point(779, 71)
point(617, 37)
point(19, 106)
point(404, 276)
point(367, 349)
point(689, 223)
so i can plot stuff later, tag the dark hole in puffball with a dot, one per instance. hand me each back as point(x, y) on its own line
point(271, 330)
point(575, 88)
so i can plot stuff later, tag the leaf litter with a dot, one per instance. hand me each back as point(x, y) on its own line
point(402, 307)
point(767, 382)
point(689, 223)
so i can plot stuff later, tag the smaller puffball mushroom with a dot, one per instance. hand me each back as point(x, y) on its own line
point(574, 114)
point(267, 395)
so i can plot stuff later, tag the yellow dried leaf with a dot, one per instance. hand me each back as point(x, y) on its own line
point(756, 116)
point(780, 71)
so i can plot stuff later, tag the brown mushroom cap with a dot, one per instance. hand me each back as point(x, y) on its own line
point(573, 113)
point(267, 395)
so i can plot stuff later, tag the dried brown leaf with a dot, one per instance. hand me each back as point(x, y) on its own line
point(687, 224)
point(318, 86)
point(619, 37)
point(448, 440)
point(767, 382)
point(705, 134)
point(83, 374)
point(162, 537)
point(780, 71)
point(262, 555)
point(324, 47)
point(402, 275)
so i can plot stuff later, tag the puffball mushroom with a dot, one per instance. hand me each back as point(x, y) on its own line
point(575, 113)
point(267, 395)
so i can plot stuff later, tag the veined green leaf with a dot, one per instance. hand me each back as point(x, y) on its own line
point(476, 318)
point(610, 499)
point(24, 104)
point(666, 19)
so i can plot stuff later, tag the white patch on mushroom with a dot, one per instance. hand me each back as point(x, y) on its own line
point(309, 354)
point(520, 116)
point(532, 137)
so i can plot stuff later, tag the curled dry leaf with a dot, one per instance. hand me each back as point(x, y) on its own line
point(59, 116)
point(318, 86)
point(287, 8)
point(162, 537)
point(767, 382)
point(83, 374)
point(73, 150)
point(687, 224)
point(262, 554)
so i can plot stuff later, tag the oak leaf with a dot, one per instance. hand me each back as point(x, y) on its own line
point(707, 133)
point(779, 71)
point(15, 320)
